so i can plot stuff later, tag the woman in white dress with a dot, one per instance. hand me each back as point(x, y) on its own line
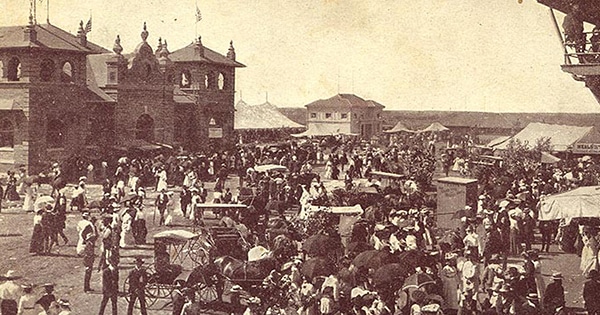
point(162, 179)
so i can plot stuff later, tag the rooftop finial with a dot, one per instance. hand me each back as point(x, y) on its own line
point(117, 48)
point(144, 33)
point(231, 52)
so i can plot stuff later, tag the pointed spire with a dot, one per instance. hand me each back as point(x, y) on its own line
point(231, 52)
point(117, 48)
point(81, 34)
point(159, 47)
point(144, 33)
point(30, 32)
point(200, 47)
point(164, 51)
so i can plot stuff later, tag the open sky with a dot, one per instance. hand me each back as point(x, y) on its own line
point(432, 54)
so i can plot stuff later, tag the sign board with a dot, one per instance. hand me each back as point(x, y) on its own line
point(587, 148)
point(215, 133)
point(453, 194)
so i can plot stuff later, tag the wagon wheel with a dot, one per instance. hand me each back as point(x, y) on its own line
point(156, 289)
point(197, 253)
point(150, 299)
point(207, 290)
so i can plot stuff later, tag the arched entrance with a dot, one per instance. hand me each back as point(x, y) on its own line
point(144, 128)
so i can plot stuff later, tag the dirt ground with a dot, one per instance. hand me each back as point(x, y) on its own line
point(65, 269)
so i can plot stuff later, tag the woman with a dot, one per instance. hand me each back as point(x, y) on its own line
point(589, 253)
point(36, 246)
point(162, 179)
point(11, 188)
point(329, 169)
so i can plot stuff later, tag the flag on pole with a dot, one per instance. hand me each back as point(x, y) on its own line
point(198, 14)
point(88, 26)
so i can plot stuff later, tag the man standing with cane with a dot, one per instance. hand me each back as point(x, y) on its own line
point(137, 284)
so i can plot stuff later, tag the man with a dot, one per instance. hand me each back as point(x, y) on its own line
point(10, 293)
point(84, 228)
point(60, 207)
point(161, 203)
point(110, 287)
point(88, 260)
point(48, 297)
point(137, 284)
point(185, 200)
point(554, 296)
point(591, 293)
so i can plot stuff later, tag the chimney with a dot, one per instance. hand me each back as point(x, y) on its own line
point(30, 32)
point(81, 35)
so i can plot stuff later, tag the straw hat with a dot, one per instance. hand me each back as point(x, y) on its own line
point(557, 276)
point(11, 275)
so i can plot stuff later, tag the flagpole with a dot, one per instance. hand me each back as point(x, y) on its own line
point(48, 11)
point(196, 19)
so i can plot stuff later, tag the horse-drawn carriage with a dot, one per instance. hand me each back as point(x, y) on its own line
point(178, 254)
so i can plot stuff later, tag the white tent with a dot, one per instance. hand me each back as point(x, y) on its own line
point(435, 127)
point(399, 127)
point(582, 202)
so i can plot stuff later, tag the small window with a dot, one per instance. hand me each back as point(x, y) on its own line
point(13, 72)
point(7, 134)
point(206, 81)
point(46, 69)
point(221, 81)
point(67, 73)
point(355, 116)
point(185, 79)
point(327, 115)
point(344, 116)
point(313, 115)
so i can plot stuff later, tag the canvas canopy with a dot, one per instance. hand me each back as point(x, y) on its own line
point(263, 116)
point(562, 137)
point(399, 127)
point(582, 202)
point(548, 158)
point(435, 127)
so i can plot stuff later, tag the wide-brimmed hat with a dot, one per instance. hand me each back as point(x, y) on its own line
point(557, 276)
point(63, 302)
point(236, 288)
point(27, 286)
point(254, 300)
point(48, 285)
point(532, 296)
point(11, 275)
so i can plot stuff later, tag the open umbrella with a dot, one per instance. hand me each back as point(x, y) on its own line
point(316, 267)
point(390, 274)
point(320, 245)
point(358, 247)
point(373, 259)
point(41, 202)
point(417, 281)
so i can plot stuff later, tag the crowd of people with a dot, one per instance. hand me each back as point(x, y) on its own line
point(392, 259)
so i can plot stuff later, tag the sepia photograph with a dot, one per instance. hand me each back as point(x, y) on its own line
point(250, 157)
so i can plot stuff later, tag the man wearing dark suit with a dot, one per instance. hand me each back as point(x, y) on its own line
point(185, 200)
point(137, 284)
point(591, 293)
point(110, 287)
point(554, 296)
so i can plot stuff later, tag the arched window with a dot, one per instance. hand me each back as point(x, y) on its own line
point(221, 81)
point(185, 79)
point(7, 134)
point(144, 128)
point(67, 73)
point(55, 133)
point(13, 73)
point(46, 69)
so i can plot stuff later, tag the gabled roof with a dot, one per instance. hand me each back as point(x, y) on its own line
point(561, 136)
point(190, 54)
point(263, 116)
point(344, 100)
point(48, 37)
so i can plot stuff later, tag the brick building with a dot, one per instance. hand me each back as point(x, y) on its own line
point(60, 95)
